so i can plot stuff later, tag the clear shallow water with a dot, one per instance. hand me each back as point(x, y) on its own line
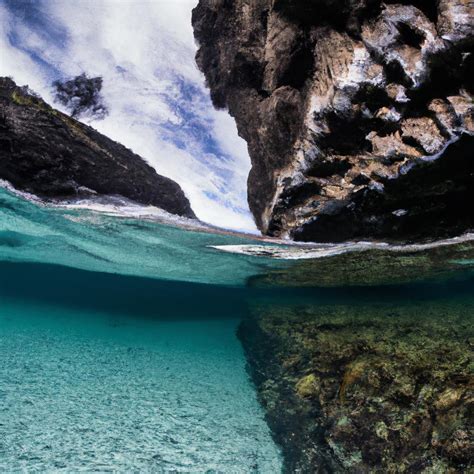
point(111, 370)
point(87, 385)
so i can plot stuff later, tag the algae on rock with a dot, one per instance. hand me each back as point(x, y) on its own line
point(377, 382)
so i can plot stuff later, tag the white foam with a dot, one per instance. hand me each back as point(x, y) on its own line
point(296, 251)
point(118, 206)
point(23, 194)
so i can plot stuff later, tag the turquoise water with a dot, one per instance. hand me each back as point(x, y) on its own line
point(118, 337)
point(114, 357)
point(98, 242)
point(88, 382)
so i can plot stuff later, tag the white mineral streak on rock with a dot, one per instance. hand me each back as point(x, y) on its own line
point(383, 37)
point(388, 114)
point(400, 212)
point(397, 93)
point(361, 69)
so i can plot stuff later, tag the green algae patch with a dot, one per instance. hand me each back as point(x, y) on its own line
point(307, 386)
point(23, 96)
point(21, 99)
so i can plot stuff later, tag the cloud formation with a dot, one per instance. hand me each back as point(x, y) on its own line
point(158, 103)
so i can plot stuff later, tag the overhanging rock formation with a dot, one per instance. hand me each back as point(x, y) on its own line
point(358, 114)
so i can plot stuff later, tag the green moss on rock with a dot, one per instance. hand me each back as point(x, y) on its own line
point(307, 386)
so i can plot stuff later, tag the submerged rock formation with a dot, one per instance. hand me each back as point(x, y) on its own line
point(48, 153)
point(358, 114)
point(360, 388)
point(370, 383)
point(370, 368)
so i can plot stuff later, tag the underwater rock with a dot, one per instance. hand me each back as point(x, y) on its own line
point(351, 109)
point(366, 386)
point(48, 153)
point(375, 267)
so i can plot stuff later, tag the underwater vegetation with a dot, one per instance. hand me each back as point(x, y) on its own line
point(362, 379)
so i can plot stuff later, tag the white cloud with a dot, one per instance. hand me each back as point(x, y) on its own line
point(158, 103)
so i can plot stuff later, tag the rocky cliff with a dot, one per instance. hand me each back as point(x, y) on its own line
point(358, 114)
point(47, 153)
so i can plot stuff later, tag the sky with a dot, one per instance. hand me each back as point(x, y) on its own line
point(157, 100)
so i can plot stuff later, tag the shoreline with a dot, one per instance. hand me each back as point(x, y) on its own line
point(277, 248)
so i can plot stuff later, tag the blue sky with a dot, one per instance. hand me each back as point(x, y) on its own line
point(156, 96)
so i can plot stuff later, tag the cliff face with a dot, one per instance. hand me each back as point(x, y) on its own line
point(47, 153)
point(358, 114)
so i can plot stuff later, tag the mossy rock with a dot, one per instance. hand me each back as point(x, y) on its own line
point(307, 386)
point(382, 386)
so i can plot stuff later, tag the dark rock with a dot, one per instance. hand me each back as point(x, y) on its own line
point(48, 153)
point(347, 98)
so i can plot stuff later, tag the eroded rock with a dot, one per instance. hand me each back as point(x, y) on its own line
point(351, 107)
point(366, 385)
